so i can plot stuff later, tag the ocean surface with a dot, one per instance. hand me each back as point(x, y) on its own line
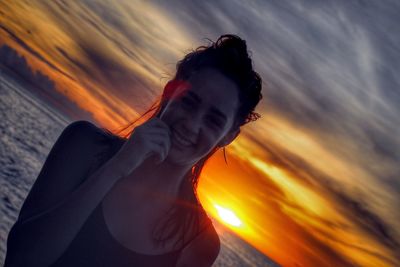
point(28, 130)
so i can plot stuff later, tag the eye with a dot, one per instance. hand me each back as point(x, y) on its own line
point(213, 122)
point(187, 103)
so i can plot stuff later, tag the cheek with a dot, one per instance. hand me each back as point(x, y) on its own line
point(209, 140)
point(171, 114)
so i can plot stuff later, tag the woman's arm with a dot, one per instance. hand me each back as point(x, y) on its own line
point(43, 232)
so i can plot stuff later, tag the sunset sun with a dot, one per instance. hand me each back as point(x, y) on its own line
point(228, 216)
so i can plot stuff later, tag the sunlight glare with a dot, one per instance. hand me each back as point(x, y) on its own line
point(228, 216)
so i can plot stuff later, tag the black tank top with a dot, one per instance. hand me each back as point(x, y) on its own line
point(95, 246)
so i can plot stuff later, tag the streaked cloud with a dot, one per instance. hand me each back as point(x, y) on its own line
point(319, 171)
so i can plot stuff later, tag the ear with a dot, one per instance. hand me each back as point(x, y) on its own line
point(229, 137)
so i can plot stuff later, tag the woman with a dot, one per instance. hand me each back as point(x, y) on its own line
point(104, 200)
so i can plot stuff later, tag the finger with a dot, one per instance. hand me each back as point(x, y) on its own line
point(159, 137)
point(146, 134)
point(159, 152)
point(156, 122)
point(164, 147)
point(165, 143)
point(153, 129)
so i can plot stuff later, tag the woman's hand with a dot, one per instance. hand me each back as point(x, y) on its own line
point(151, 139)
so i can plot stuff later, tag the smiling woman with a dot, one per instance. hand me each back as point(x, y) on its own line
point(105, 200)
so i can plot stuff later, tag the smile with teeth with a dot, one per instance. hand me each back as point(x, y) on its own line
point(182, 140)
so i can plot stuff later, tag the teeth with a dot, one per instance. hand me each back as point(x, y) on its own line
point(182, 140)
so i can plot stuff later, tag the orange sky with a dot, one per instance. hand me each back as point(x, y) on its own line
point(281, 176)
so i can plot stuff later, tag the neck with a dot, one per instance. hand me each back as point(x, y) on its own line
point(164, 178)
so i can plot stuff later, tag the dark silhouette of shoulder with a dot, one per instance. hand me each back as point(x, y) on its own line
point(78, 129)
point(65, 168)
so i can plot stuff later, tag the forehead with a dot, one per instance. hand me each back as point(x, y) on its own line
point(215, 89)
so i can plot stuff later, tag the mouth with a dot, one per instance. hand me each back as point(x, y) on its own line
point(180, 139)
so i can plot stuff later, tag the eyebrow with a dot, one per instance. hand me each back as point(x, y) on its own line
point(196, 97)
point(219, 113)
point(214, 110)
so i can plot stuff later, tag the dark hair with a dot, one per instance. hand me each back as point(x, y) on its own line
point(228, 55)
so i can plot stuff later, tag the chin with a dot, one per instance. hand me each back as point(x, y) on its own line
point(176, 157)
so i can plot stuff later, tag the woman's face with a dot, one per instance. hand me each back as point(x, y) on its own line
point(200, 117)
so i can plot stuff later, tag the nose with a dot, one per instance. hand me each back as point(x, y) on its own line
point(192, 126)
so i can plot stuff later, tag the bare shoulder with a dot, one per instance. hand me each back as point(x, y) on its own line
point(87, 135)
point(81, 135)
point(203, 250)
point(78, 140)
point(65, 168)
point(80, 129)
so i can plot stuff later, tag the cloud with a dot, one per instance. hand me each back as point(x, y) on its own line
point(330, 111)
